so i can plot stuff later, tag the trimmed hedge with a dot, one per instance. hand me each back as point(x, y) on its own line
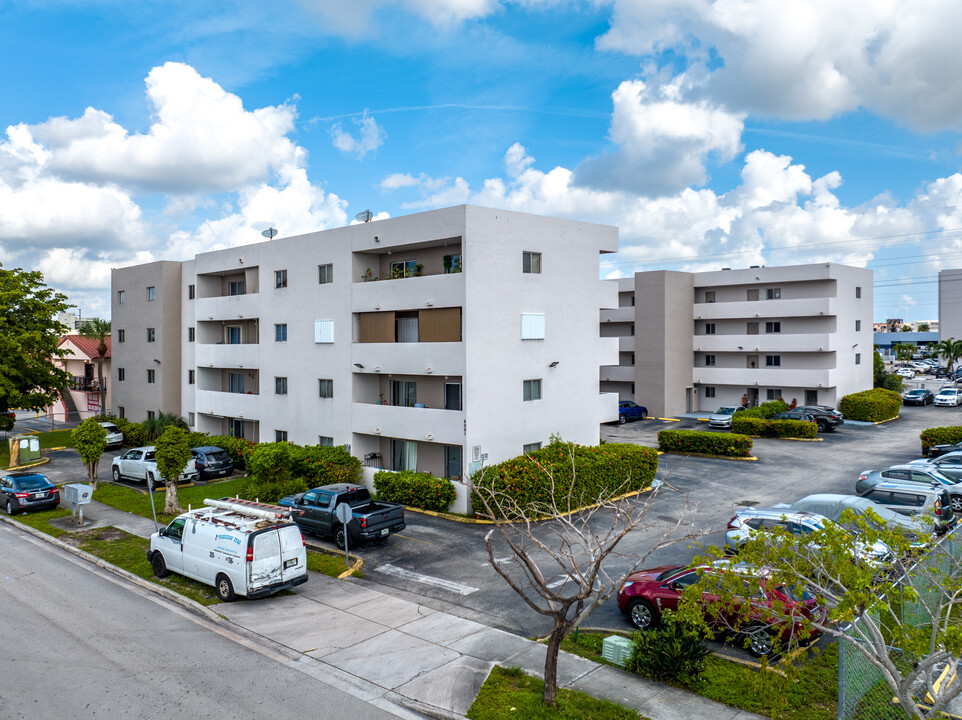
point(871, 405)
point(772, 428)
point(766, 411)
point(279, 469)
point(583, 473)
point(420, 490)
point(705, 442)
point(939, 436)
point(324, 464)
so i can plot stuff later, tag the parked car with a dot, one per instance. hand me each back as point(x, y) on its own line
point(313, 511)
point(938, 450)
point(722, 417)
point(141, 464)
point(905, 372)
point(950, 396)
point(825, 408)
point(921, 396)
point(908, 498)
point(22, 491)
point(628, 410)
point(239, 547)
point(832, 506)
point(646, 594)
point(115, 438)
point(922, 472)
point(920, 367)
point(947, 464)
point(826, 421)
point(212, 462)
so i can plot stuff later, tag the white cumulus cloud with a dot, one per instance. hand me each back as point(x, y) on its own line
point(369, 138)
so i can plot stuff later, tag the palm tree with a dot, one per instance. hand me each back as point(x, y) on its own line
point(904, 351)
point(950, 349)
point(98, 330)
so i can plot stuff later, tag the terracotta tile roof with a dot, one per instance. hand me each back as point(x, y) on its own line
point(86, 346)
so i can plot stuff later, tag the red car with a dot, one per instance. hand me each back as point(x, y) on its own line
point(645, 594)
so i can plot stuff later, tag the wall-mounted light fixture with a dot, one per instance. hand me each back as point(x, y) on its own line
point(358, 365)
point(553, 364)
point(377, 239)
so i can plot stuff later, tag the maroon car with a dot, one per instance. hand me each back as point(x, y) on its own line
point(645, 594)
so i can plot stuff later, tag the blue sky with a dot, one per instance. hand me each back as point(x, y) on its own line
point(711, 132)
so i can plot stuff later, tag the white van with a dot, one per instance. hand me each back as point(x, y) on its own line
point(238, 546)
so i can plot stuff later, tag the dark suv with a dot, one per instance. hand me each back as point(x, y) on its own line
point(212, 462)
point(826, 421)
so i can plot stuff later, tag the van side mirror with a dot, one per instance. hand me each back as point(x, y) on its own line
point(162, 532)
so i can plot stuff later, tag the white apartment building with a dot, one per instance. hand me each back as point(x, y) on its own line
point(437, 341)
point(691, 342)
point(950, 304)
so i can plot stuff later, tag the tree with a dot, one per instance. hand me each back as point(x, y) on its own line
point(29, 333)
point(90, 440)
point(906, 328)
point(173, 454)
point(950, 350)
point(98, 330)
point(878, 369)
point(904, 351)
point(575, 542)
point(923, 327)
point(899, 615)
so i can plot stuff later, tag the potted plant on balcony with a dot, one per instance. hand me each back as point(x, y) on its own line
point(417, 269)
point(368, 276)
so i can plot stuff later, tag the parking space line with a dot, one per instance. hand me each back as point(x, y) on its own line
point(426, 579)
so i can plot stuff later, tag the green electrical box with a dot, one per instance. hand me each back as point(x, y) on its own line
point(24, 449)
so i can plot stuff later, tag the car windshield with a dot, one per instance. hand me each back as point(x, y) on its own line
point(915, 392)
point(219, 456)
point(725, 411)
point(32, 482)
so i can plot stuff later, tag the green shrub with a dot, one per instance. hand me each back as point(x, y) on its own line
point(702, 441)
point(609, 469)
point(270, 491)
point(154, 427)
point(324, 465)
point(772, 428)
point(134, 434)
point(673, 652)
point(270, 462)
point(871, 405)
point(239, 449)
point(421, 490)
point(766, 410)
point(939, 436)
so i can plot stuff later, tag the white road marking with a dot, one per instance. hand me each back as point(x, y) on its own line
point(426, 579)
point(499, 561)
point(557, 583)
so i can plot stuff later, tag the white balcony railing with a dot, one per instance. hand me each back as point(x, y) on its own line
point(765, 343)
point(409, 423)
point(227, 307)
point(749, 310)
point(227, 356)
point(765, 377)
point(227, 404)
point(446, 290)
point(440, 358)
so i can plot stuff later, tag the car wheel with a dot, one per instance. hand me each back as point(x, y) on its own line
point(116, 474)
point(956, 503)
point(822, 427)
point(339, 537)
point(10, 507)
point(759, 642)
point(159, 566)
point(622, 419)
point(643, 416)
point(642, 614)
point(225, 588)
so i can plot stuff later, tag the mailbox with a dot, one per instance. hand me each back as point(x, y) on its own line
point(77, 494)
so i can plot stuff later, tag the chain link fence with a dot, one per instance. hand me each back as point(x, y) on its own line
point(863, 693)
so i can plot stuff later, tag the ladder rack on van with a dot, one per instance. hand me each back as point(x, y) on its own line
point(250, 508)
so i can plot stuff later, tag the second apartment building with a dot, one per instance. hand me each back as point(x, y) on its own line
point(434, 342)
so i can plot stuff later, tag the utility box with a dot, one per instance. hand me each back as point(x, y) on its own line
point(77, 495)
point(616, 649)
point(24, 449)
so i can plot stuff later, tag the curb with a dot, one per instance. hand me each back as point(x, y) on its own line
point(41, 461)
point(750, 458)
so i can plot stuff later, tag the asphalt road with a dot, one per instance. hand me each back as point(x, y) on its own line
point(80, 645)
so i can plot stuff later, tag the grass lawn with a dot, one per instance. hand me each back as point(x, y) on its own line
point(138, 503)
point(509, 693)
point(55, 438)
point(813, 695)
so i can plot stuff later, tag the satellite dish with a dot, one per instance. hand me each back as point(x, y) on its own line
point(269, 233)
point(365, 216)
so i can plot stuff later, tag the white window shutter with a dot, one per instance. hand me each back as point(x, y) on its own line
point(323, 331)
point(532, 326)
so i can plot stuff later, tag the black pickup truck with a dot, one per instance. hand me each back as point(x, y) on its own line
point(313, 511)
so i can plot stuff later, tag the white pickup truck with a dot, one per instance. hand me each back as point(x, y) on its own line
point(141, 464)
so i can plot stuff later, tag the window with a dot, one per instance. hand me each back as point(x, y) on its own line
point(121, 297)
point(191, 334)
point(773, 360)
point(709, 328)
point(404, 268)
point(631, 329)
point(404, 455)
point(858, 358)
point(150, 414)
point(709, 391)
point(709, 296)
point(532, 326)
point(531, 262)
point(452, 462)
point(773, 293)
point(233, 334)
point(121, 335)
point(280, 386)
point(325, 274)
point(191, 419)
point(191, 292)
point(530, 448)
point(325, 388)
point(452, 263)
point(236, 428)
point(452, 396)
point(151, 293)
point(752, 328)
point(235, 382)
point(753, 294)
point(150, 334)
point(774, 394)
point(858, 291)
point(280, 436)
point(325, 441)
point(709, 361)
point(121, 374)
point(280, 279)
point(858, 325)
point(121, 412)
point(404, 393)
point(323, 331)
point(191, 374)
point(532, 390)
point(280, 332)
point(150, 377)
point(773, 327)
point(236, 287)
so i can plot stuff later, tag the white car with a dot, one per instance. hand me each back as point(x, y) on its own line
point(722, 417)
point(948, 396)
point(114, 436)
point(905, 372)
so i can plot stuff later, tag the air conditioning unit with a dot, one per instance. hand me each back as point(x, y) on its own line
point(616, 649)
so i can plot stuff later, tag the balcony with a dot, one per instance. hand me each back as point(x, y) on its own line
point(766, 343)
point(227, 307)
point(410, 358)
point(424, 424)
point(445, 290)
point(618, 373)
point(227, 404)
point(227, 356)
point(780, 377)
point(619, 315)
point(626, 343)
point(803, 307)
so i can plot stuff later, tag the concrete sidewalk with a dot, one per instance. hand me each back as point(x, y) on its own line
point(377, 646)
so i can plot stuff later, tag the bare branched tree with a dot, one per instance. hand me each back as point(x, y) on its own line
point(552, 536)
